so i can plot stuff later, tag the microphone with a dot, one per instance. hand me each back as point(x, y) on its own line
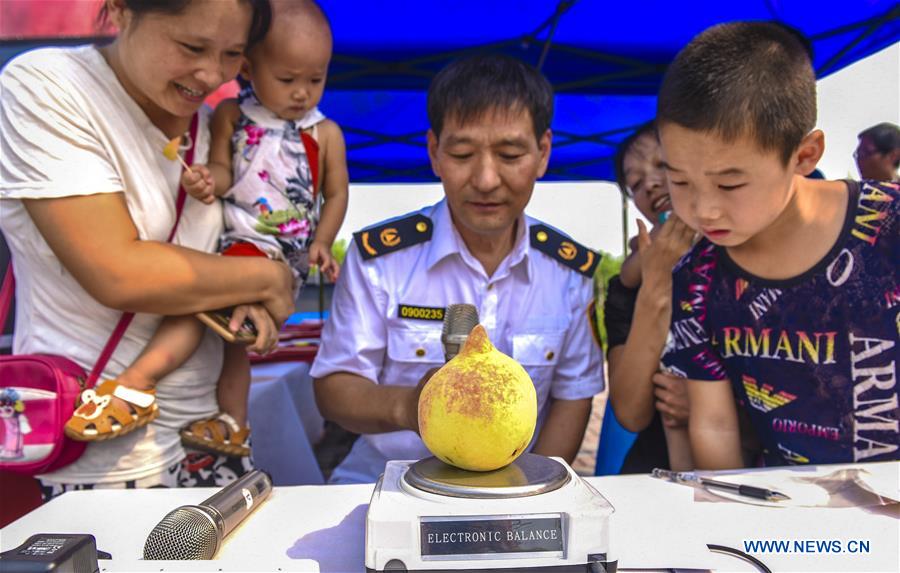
point(459, 320)
point(197, 531)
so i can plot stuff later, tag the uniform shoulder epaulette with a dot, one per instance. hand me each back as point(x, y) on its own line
point(393, 235)
point(563, 249)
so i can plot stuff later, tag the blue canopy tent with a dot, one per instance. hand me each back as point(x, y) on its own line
point(605, 60)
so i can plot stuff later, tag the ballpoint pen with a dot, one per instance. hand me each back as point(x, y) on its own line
point(689, 478)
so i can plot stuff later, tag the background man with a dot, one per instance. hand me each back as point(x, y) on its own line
point(878, 152)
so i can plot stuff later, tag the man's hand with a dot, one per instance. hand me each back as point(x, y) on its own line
point(563, 429)
point(671, 399)
point(410, 413)
point(199, 184)
point(320, 254)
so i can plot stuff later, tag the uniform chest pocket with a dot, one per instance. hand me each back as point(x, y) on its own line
point(416, 346)
point(538, 349)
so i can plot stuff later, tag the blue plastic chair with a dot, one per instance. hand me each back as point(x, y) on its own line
point(615, 442)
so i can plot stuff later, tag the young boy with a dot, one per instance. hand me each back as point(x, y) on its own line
point(790, 303)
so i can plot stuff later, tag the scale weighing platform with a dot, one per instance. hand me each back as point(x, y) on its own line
point(535, 514)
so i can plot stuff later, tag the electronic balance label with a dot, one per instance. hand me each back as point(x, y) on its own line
point(480, 536)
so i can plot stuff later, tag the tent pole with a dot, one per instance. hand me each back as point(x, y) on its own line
point(561, 8)
point(888, 16)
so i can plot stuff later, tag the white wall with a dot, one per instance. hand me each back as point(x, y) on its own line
point(857, 97)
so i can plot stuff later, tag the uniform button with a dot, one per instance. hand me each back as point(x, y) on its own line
point(490, 286)
point(420, 352)
point(550, 355)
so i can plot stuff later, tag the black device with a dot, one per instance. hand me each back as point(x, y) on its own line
point(218, 321)
point(69, 552)
point(197, 531)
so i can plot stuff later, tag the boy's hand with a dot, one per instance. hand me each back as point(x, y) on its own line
point(671, 399)
point(199, 184)
point(669, 242)
point(320, 254)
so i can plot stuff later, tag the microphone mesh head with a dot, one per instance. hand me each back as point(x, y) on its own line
point(459, 320)
point(185, 533)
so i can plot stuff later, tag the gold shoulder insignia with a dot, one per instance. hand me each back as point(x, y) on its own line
point(393, 235)
point(564, 250)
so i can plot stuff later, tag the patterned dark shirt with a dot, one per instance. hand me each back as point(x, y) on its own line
point(812, 359)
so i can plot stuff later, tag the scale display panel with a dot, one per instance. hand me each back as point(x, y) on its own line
point(536, 534)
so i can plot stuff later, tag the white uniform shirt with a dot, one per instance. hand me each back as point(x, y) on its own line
point(533, 307)
point(68, 128)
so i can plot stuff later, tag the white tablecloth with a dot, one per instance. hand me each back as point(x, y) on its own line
point(322, 528)
point(285, 423)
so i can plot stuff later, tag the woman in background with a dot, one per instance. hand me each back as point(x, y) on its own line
point(637, 311)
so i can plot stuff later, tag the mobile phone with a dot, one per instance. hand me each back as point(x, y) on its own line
point(218, 322)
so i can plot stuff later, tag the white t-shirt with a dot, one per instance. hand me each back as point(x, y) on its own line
point(68, 128)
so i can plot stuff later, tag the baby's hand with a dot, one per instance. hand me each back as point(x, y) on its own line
point(320, 254)
point(199, 184)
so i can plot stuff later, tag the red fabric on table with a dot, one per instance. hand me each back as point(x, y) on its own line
point(21, 494)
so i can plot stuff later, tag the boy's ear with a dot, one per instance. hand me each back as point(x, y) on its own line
point(809, 152)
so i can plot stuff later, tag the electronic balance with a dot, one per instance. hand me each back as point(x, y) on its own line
point(535, 514)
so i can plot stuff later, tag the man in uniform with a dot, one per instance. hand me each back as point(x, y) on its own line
point(489, 142)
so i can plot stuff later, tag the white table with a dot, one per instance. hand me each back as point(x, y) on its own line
point(321, 528)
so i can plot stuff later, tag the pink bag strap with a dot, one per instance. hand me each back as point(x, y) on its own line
point(119, 331)
point(9, 281)
point(6, 293)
